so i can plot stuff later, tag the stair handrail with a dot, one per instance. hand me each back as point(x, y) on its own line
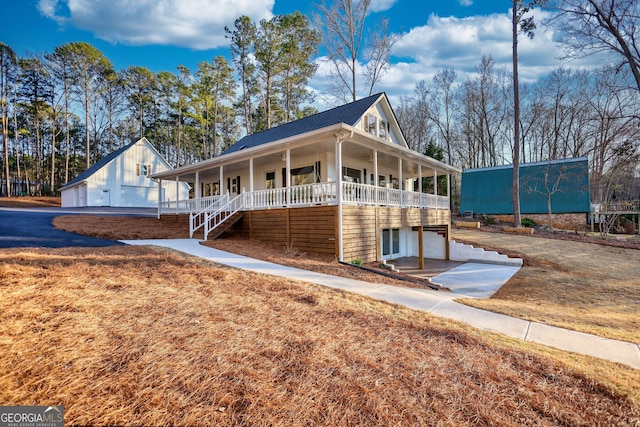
point(214, 219)
point(195, 224)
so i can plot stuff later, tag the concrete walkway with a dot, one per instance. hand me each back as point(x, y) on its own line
point(434, 302)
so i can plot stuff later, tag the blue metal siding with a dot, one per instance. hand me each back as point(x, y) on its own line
point(488, 190)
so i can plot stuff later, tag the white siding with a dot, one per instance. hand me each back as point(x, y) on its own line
point(126, 188)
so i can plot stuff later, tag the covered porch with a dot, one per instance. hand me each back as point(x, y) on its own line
point(321, 194)
point(331, 167)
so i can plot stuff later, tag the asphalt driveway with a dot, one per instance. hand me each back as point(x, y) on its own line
point(21, 228)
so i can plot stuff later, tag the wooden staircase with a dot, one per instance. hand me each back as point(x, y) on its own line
point(226, 225)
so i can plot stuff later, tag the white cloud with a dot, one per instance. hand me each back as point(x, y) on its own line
point(381, 5)
point(460, 43)
point(197, 24)
point(465, 3)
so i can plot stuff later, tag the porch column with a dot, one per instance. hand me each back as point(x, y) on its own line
point(288, 183)
point(339, 141)
point(250, 183)
point(220, 183)
point(159, 197)
point(197, 185)
point(376, 180)
point(400, 174)
point(449, 190)
point(421, 247)
point(420, 178)
point(435, 185)
point(177, 192)
point(251, 175)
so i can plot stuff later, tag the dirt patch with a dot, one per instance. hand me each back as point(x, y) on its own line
point(142, 336)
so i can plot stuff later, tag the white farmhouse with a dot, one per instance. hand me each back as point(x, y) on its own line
point(122, 179)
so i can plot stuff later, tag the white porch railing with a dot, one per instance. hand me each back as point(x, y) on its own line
point(224, 212)
point(362, 194)
point(199, 218)
point(186, 206)
point(200, 210)
point(297, 196)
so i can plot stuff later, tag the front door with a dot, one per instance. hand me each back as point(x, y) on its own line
point(106, 198)
point(390, 243)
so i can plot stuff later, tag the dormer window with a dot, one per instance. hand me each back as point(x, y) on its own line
point(384, 129)
point(372, 124)
point(376, 126)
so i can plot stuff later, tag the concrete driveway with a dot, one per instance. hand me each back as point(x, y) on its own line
point(32, 227)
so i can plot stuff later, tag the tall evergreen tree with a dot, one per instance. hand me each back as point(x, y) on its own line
point(88, 65)
point(8, 74)
point(242, 38)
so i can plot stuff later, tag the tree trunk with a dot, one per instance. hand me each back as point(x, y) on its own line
point(53, 160)
point(68, 133)
point(5, 141)
point(86, 121)
point(515, 195)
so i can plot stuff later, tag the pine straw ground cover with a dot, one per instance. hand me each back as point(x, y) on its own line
point(143, 336)
point(122, 228)
point(29, 202)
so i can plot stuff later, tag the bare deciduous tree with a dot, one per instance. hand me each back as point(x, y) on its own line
point(593, 26)
point(343, 34)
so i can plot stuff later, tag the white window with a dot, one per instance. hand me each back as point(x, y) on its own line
point(270, 180)
point(383, 131)
point(143, 170)
point(372, 124)
point(302, 176)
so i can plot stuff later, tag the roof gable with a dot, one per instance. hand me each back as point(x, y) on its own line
point(106, 160)
point(349, 114)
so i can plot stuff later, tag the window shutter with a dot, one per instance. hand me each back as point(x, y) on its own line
point(138, 169)
point(238, 188)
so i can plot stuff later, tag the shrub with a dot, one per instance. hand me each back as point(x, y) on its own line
point(489, 220)
point(357, 261)
point(528, 222)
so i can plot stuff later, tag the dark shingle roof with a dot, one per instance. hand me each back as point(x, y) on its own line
point(348, 114)
point(98, 165)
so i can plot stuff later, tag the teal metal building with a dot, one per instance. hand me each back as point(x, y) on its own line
point(488, 190)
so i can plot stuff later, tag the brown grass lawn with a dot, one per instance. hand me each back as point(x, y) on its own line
point(144, 336)
point(581, 286)
point(29, 202)
point(119, 228)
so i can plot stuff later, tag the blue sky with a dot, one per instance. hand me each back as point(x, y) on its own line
point(162, 34)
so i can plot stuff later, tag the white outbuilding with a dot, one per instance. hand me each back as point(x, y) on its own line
point(122, 179)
